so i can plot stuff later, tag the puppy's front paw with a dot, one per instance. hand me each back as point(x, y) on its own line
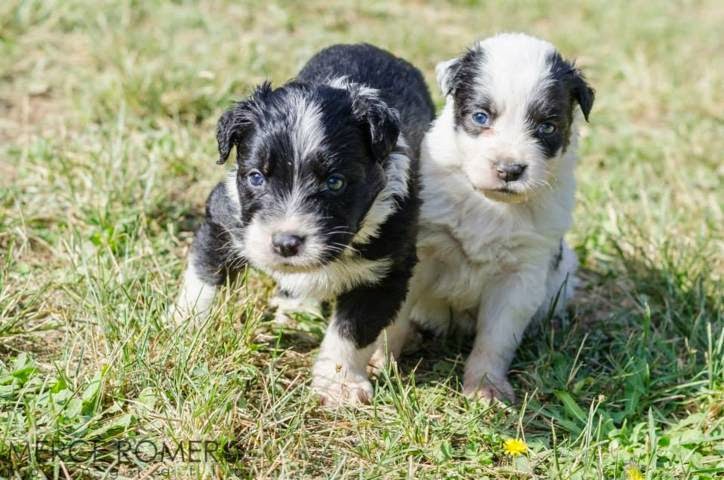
point(337, 386)
point(283, 319)
point(488, 388)
point(379, 360)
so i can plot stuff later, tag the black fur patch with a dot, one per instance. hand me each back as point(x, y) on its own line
point(465, 87)
point(557, 257)
point(210, 252)
point(555, 103)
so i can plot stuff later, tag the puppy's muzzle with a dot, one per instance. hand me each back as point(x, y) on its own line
point(287, 244)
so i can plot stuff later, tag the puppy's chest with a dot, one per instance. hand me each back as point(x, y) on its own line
point(468, 250)
point(334, 278)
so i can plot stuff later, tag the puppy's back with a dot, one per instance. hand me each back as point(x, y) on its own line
point(400, 84)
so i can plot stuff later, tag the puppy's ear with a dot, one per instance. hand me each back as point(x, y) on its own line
point(382, 122)
point(573, 78)
point(446, 73)
point(230, 130)
point(236, 124)
point(582, 92)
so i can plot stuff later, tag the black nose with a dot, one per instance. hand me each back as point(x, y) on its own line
point(287, 244)
point(510, 172)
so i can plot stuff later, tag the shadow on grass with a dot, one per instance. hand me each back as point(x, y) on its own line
point(634, 344)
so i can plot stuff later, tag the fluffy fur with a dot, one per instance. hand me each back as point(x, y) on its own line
point(491, 243)
point(324, 198)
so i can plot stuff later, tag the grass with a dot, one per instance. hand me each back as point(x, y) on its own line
point(107, 114)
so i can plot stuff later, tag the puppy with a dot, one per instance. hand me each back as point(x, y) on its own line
point(324, 198)
point(497, 171)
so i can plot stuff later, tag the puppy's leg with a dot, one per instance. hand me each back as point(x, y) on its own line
point(212, 258)
point(196, 295)
point(429, 312)
point(506, 309)
point(207, 269)
point(340, 372)
point(339, 375)
point(562, 281)
point(432, 313)
point(287, 303)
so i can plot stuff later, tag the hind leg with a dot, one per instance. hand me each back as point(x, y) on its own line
point(431, 313)
point(561, 282)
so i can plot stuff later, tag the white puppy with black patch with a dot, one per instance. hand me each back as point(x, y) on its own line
point(498, 188)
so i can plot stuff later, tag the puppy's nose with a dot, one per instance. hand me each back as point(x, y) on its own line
point(287, 244)
point(510, 172)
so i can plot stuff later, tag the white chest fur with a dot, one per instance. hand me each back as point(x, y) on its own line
point(329, 281)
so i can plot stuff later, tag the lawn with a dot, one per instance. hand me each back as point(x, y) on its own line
point(107, 151)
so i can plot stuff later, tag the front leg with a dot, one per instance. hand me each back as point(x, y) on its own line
point(506, 309)
point(196, 295)
point(340, 372)
point(212, 258)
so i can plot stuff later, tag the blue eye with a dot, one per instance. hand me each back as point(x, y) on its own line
point(255, 178)
point(335, 182)
point(481, 119)
point(546, 128)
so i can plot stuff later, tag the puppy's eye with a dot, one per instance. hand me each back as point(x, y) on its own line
point(335, 183)
point(482, 119)
point(546, 128)
point(255, 178)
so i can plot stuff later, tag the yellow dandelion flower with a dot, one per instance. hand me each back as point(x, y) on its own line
point(514, 446)
point(633, 473)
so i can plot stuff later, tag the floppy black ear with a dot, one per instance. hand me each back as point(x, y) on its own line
point(382, 121)
point(574, 79)
point(228, 132)
point(582, 92)
point(454, 73)
point(236, 123)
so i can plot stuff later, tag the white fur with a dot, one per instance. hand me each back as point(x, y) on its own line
point(343, 83)
point(484, 258)
point(339, 375)
point(443, 73)
point(231, 190)
point(308, 129)
point(328, 281)
point(291, 218)
point(195, 298)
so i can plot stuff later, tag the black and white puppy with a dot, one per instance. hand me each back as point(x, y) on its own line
point(324, 199)
point(498, 184)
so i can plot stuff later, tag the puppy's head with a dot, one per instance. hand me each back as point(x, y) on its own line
point(309, 168)
point(513, 99)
